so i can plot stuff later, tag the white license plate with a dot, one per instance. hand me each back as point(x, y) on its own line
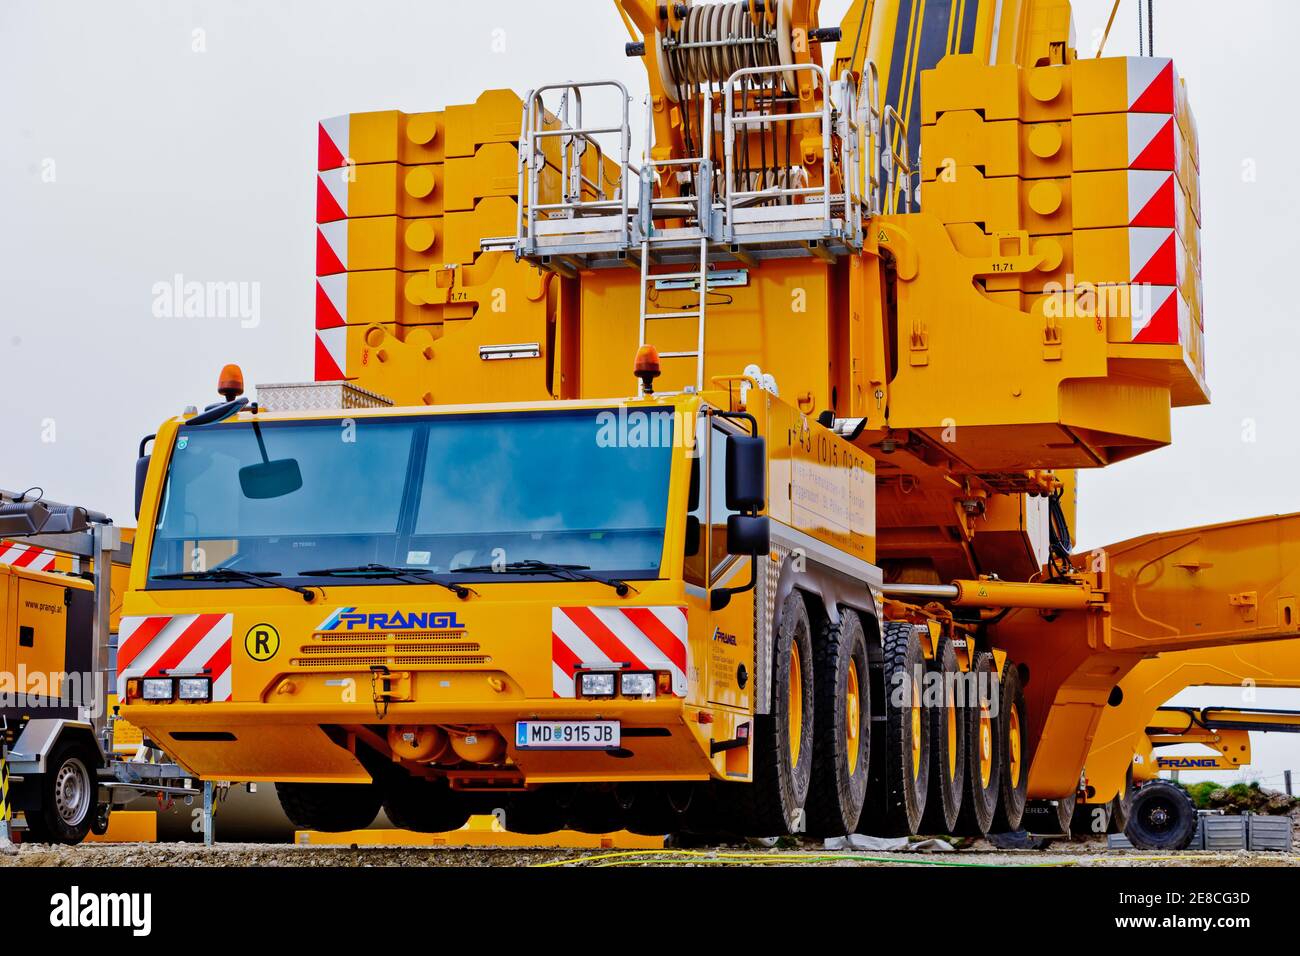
point(566, 734)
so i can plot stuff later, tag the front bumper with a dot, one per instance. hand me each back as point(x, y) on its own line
point(662, 739)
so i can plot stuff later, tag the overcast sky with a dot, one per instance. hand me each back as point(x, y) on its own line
point(144, 140)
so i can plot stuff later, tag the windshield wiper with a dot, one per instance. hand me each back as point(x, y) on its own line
point(261, 578)
point(570, 572)
point(410, 575)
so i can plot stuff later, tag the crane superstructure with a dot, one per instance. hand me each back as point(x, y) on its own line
point(888, 285)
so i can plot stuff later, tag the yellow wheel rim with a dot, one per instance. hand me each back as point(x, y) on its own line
point(916, 729)
point(952, 740)
point(1013, 744)
point(795, 716)
point(852, 718)
point(986, 747)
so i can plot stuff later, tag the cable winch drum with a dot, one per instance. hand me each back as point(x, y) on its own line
point(717, 39)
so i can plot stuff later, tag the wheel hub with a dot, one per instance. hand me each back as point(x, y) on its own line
point(916, 730)
point(1013, 740)
point(852, 717)
point(72, 792)
point(795, 716)
point(986, 748)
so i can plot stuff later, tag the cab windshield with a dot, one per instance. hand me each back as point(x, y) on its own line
point(443, 494)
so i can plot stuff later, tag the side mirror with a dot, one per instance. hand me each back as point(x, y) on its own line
point(746, 473)
point(141, 472)
point(270, 479)
point(748, 534)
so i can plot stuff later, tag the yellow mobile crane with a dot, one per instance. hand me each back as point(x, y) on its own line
point(887, 285)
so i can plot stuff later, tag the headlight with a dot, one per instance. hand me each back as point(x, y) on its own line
point(194, 688)
point(596, 685)
point(638, 685)
point(157, 688)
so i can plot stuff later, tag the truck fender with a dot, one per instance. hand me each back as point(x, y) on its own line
point(834, 588)
point(39, 738)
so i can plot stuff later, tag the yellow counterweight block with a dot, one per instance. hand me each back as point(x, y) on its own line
point(485, 332)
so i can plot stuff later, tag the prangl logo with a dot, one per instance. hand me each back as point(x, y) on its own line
point(1186, 763)
point(350, 619)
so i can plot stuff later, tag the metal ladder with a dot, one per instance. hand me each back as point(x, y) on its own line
point(703, 208)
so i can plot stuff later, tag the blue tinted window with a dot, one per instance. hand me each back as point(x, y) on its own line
point(552, 487)
point(435, 493)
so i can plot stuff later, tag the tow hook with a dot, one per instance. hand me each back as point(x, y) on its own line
point(386, 687)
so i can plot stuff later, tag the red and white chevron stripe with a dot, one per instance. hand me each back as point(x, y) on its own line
point(1153, 199)
point(332, 248)
point(1156, 257)
point(1156, 199)
point(331, 329)
point(181, 645)
point(644, 638)
point(26, 556)
point(1154, 142)
point(332, 195)
point(1160, 315)
point(331, 357)
point(332, 142)
point(1152, 85)
point(331, 301)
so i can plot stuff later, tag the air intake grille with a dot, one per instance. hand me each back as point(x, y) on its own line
point(411, 647)
point(442, 648)
point(390, 660)
point(384, 637)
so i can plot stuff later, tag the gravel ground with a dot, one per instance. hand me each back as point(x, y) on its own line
point(262, 855)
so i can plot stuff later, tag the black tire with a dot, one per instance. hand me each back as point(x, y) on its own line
point(1065, 810)
point(1161, 817)
point(424, 806)
point(947, 747)
point(1050, 818)
point(1014, 775)
point(900, 770)
point(544, 810)
point(67, 795)
point(773, 803)
point(712, 813)
point(842, 742)
point(1040, 818)
point(1120, 807)
point(598, 809)
point(330, 807)
point(660, 809)
point(100, 825)
point(979, 696)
